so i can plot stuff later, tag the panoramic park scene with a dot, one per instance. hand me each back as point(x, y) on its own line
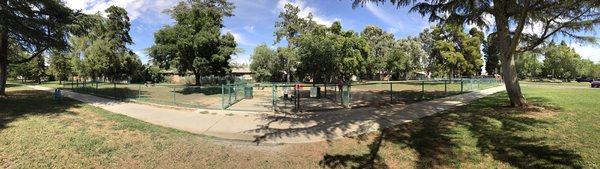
point(299, 84)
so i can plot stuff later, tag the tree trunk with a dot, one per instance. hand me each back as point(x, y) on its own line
point(3, 60)
point(509, 71)
point(511, 81)
point(197, 78)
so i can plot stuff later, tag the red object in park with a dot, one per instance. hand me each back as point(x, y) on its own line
point(298, 86)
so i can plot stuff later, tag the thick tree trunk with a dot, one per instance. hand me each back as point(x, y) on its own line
point(511, 81)
point(509, 71)
point(3, 60)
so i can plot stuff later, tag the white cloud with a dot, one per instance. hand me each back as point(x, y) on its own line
point(249, 29)
point(135, 8)
point(384, 16)
point(305, 10)
point(587, 51)
point(238, 37)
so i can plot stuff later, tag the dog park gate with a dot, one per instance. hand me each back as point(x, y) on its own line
point(233, 93)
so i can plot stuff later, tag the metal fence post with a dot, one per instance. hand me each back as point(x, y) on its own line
point(445, 88)
point(115, 90)
point(461, 86)
point(325, 90)
point(223, 96)
point(229, 94)
point(391, 92)
point(273, 95)
point(422, 90)
point(174, 100)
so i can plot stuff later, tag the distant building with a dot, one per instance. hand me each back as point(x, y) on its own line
point(243, 72)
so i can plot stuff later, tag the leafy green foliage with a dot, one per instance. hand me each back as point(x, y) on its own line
point(406, 58)
point(60, 66)
point(263, 63)
point(32, 25)
point(195, 42)
point(492, 62)
point(528, 65)
point(561, 61)
point(331, 53)
point(380, 43)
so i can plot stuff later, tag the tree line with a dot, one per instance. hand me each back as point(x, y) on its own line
point(329, 53)
point(46, 39)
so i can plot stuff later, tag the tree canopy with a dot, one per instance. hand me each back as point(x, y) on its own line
point(32, 25)
point(195, 41)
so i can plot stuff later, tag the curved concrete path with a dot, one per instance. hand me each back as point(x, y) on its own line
point(280, 128)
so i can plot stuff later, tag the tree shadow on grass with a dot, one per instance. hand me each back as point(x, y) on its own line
point(22, 103)
point(501, 132)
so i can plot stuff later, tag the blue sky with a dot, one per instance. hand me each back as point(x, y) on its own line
point(254, 20)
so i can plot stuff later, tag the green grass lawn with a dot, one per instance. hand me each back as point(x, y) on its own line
point(559, 131)
point(567, 84)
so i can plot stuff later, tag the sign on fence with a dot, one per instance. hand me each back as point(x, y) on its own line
point(313, 92)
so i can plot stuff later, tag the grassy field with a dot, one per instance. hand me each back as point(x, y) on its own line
point(559, 131)
point(580, 84)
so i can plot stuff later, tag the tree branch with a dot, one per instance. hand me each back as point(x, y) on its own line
point(519, 30)
point(36, 54)
point(543, 38)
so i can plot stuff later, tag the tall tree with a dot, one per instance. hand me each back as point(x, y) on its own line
point(195, 41)
point(115, 37)
point(60, 66)
point(528, 65)
point(263, 63)
point(407, 52)
point(447, 49)
point(289, 26)
point(492, 64)
point(561, 62)
point(381, 43)
point(431, 65)
point(552, 17)
point(33, 25)
point(331, 53)
point(470, 46)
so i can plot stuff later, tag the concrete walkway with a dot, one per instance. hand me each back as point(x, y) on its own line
point(300, 127)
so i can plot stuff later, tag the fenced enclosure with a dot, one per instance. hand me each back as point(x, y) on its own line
point(206, 97)
point(262, 97)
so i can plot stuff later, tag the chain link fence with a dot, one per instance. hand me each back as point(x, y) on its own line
point(261, 97)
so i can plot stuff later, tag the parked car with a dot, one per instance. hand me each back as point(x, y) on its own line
point(584, 79)
point(596, 83)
